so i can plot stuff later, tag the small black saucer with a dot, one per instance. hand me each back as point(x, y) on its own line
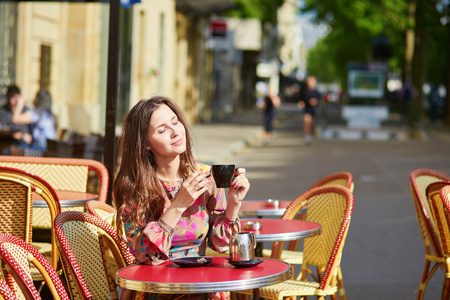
point(245, 264)
point(189, 262)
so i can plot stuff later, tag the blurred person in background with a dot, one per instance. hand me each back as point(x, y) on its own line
point(41, 119)
point(309, 101)
point(406, 94)
point(21, 133)
point(269, 104)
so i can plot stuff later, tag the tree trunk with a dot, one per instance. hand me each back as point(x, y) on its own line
point(409, 40)
point(447, 83)
point(416, 109)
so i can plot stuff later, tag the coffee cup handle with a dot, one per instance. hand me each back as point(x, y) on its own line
point(254, 239)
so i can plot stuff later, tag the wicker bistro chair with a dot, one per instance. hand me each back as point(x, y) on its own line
point(82, 240)
point(435, 195)
point(5, 291)
point(16, 257)
point(17, 206)
point(419, 180)
point(332, 207)
point(102, 210)
point(339, 178)
point(291, 254)
point(66, 174)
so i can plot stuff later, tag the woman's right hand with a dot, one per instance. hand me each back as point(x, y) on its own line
point(193, 187)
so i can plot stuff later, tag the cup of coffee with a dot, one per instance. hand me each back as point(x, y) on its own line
point(223, 174)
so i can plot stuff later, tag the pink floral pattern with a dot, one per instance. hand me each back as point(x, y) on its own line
point(201, 224)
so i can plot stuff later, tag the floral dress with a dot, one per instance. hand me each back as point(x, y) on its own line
point(204, 223)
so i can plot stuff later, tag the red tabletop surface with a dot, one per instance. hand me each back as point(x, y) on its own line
point(283, 230)
point(253, 205)
point(218, 270)
point(218, 275)
point(259, 208)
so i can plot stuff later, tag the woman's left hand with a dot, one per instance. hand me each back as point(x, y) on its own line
point(239, 187)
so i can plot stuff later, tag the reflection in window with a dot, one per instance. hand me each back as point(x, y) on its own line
point(46, 59)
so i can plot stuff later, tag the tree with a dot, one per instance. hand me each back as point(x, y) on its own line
point(264, 10)
point(407, 24)
point(354, 25)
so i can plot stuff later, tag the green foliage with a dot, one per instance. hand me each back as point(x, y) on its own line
point(354, 24)
point(264, 10)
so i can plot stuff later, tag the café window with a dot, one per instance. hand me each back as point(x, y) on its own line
point(46, 58)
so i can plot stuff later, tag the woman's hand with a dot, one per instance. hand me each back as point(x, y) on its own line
point(236, 193)
point(193, 187)
point(239, 187)
point(196, 184)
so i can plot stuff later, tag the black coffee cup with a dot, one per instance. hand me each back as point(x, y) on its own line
point(223, 175)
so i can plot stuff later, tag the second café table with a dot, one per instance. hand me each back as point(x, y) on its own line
point(259, 208)
point(217, 276)
point(278, 230)
point(66, 199)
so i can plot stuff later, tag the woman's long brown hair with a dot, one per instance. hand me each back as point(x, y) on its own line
point(137, 190)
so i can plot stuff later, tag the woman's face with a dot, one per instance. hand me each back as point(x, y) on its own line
point(166, 134)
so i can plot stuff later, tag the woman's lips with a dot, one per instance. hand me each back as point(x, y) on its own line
point(178, 142)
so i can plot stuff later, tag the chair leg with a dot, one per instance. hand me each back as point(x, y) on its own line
point(446, 288)
point(446, 285)
point(340, 285)
point(426, 276)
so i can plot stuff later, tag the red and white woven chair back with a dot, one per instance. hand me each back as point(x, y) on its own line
point(81, 238)
point(5, 291)
point(17, 256)
point(445, 196)
point(441, 214)
point(102, 210)
point(340, 178)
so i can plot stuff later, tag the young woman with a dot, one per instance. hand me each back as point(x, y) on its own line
point(168, 205)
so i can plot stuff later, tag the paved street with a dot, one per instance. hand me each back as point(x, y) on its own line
point(384, 254)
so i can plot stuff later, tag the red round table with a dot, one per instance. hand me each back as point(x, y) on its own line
point(259, 208)
point(66, 199)
point(274, 230)
point(217, 276)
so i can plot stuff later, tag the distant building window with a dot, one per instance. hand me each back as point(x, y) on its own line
point(46, 59)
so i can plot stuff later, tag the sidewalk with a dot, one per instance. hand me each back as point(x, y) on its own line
point(217, 142)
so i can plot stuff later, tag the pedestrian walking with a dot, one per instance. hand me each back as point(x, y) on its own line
point(269, 105)
point(309, 101)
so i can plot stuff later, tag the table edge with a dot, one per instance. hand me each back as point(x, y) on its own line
point(205, 287)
